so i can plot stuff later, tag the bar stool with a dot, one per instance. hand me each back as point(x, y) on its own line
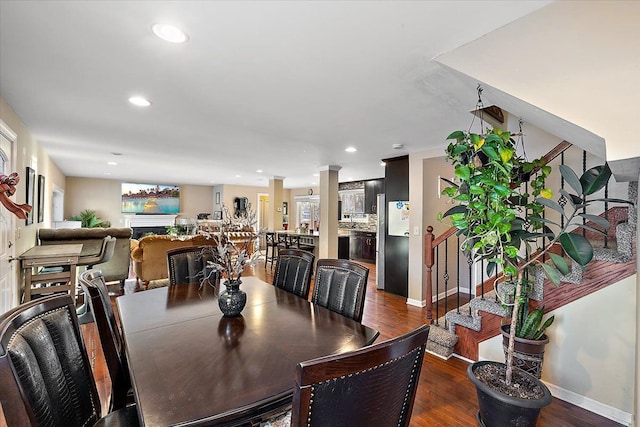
point(270, 241)
point(294, 243)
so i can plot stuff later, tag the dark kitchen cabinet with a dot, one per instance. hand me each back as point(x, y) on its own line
point(372, 188)
point(362, 246)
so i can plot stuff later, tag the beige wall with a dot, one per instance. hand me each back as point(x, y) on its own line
point(586, 355)
point(104, 196)
point(30, 153)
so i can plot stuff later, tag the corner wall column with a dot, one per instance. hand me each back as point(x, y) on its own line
point(275, 203)
point(328, 240)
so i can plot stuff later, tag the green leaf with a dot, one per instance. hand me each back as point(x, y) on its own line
point(492, 138)
point(502, 190)
point(451, 183)
point(510, 270)
point(551, 273)
point(511, 251)
point(459, 149)
point(491, 268)
point(454, 210)
point(595, 179)
point(568, 197)
point(506, 154)
point(476, 189)
point(577, 247)
point(456, 135)
point(463, 172)
point(572, 179)
point(490, 152)
point(550, 204)
point(598, 220)
point(475, 139)
point(595, 230)
point(560, 263)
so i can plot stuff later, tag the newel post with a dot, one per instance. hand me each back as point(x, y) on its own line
point(428, 262)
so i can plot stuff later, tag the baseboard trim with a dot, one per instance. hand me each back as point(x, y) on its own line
point(416, 303)
point(439, 356)
point(591, 405)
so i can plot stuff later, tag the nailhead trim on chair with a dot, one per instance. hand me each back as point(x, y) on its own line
point(406, 396)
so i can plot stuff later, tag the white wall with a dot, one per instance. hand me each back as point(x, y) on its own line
point(591, 351)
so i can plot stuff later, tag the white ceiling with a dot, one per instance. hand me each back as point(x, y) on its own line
point(283, 87)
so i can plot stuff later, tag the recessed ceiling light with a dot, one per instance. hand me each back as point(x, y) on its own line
point(398, 146)
point(116, 154)
point(139, 101)
point(238, 176)
point(350, 178)
point(107, 173)
point(259, 171)
point(351, 149)
point(316, 174)
point(169, 33)
point(112, 163)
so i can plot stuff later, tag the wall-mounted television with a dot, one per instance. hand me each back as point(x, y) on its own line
point(150, 198)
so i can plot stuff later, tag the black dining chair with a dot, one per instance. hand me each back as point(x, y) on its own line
point(45, 371)
point(295, 243)
point(94, 286)
point(371, 386)
point(293, 271)
point(190, 264)
point(106, 252)
point(271, 246)
point(283, 241)
point(340, 286)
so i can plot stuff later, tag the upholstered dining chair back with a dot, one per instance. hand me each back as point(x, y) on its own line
point(293, 271)
point(44, 369)
point(93, 284)
point(106, 252)
point(340, 286)
point(372, 386)
point(189, 264)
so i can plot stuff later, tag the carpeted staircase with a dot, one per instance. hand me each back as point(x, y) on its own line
point(442, 335)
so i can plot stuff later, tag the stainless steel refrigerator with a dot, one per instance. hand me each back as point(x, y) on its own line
point(380, 240)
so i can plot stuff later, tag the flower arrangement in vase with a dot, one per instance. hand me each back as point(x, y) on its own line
point(230, 256)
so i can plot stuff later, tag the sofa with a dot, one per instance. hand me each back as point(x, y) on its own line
point(149, 256)
point(117, 268)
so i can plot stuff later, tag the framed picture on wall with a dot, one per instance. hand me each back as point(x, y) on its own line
point(40, 198)
point(30, 183)
point(217, 215)
point(217, 197)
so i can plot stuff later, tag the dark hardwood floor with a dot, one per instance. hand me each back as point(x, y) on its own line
point(445, 396)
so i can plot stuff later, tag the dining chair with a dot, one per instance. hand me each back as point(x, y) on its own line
point(371, 386)
point(189, 264)
point(93, 284)
point(283, 241)
point(271, 246)
point(45, 371)
point(293, 271)
point(340, 286)
point(106, 252)
point(294, 242)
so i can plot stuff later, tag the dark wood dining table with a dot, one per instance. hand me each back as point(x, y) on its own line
point(190, 365)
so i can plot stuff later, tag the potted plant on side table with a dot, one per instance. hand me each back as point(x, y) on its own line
point(500, 223)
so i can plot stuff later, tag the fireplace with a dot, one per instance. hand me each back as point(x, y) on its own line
point(145, 224)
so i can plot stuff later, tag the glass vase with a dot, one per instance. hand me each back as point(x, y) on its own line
point(233, 299)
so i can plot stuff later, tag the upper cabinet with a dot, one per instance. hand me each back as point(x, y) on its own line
point(372, 188)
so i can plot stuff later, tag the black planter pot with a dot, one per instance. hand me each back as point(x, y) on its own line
point(500, 410)
point(528, 355)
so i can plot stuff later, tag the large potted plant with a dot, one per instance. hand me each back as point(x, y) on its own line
point(500, 222)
